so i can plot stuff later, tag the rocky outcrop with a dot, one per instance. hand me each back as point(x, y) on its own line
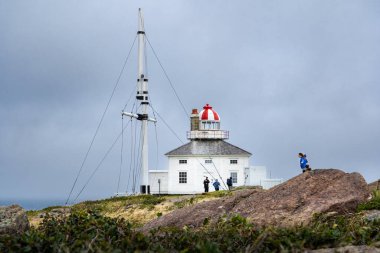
point(295, 201)
point(13, 220)
point(195, 215)
point(371, 215)
point(56, 212)
point(290, 203)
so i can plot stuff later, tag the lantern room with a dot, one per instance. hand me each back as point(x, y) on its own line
point(209, 119)
point(206, 125)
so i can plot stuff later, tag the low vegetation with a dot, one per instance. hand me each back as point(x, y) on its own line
point(136, 209)
point(88, 229)
point(373, 203)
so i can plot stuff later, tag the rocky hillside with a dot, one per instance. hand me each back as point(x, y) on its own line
point(138, 209)
point(334, 207)
point(293, 202)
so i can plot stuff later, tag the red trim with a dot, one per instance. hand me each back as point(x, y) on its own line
point(205, 115)
point(216, 116)
point(207, 106)
point(205, 112)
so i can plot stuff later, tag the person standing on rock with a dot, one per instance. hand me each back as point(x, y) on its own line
point(216, 185)
point(303, 162)
point(229, 183)
point(205, 184)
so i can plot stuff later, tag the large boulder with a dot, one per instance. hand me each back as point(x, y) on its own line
point(293, 202)
point(13, 220)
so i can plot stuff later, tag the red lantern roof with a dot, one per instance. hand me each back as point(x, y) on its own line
point(208, 114)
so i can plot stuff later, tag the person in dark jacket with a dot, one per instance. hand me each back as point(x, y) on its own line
point(216, 185)
point(229, 183)
point(205, 184)
point(303, 162)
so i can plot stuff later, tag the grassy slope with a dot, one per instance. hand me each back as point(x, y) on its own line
point(140, 209)
point(137, 209)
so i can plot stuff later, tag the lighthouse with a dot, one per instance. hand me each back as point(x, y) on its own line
point(207, 154)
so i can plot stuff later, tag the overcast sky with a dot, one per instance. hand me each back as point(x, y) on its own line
point(284, 76)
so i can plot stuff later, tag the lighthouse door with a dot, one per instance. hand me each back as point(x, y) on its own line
point(246, 176)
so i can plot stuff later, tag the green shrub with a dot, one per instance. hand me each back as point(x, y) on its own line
point(373, 203)
point(150, 200)
point(91, 232)
point(182, 203)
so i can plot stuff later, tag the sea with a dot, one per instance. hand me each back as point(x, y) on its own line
point(33, 204)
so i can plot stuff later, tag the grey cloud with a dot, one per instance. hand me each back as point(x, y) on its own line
point(286, 77)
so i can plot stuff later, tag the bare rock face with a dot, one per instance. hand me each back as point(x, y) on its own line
point(194, 216)
point(13, 220)
point(295, 201)
point(56, 212)
point(371, 215)
point(348, 249)
point(290, 203)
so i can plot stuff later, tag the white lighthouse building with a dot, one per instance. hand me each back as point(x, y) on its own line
point(208, 154)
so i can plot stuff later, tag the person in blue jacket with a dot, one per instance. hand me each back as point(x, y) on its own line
point(216, 185)
point(303, 162)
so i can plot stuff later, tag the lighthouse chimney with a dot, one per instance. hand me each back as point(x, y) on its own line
point(194, 120)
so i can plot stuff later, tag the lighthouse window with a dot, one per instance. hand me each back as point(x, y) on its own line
point(182, 161)
point(234, 177)
point(208, 161)
point(233, 161)
point(183, 177)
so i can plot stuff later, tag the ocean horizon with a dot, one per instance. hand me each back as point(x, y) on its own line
point(33, 204)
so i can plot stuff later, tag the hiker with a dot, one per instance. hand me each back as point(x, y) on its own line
point(229, 183)
point(205, 184)
point(303, 162)
point(216, 185)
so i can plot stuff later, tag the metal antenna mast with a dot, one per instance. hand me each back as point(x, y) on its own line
point(142, 95)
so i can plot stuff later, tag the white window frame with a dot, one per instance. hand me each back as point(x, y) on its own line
point(182, 161)
point(208, 161)
point(234, 161)
point(234, 179)
point(182, 177)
